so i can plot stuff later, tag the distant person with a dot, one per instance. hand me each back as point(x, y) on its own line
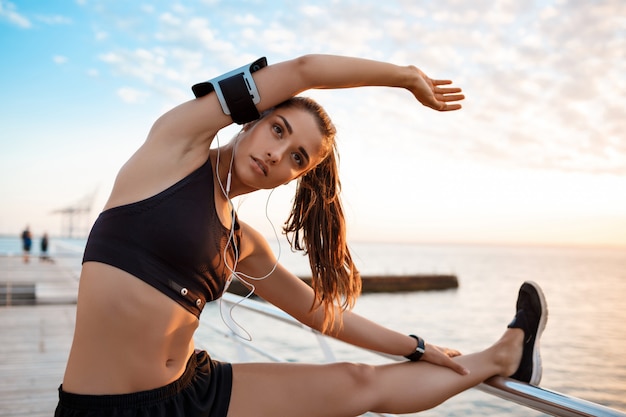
point(169, 241)
point(27, 242)
point(43, 256)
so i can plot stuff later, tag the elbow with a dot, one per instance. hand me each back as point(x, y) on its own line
point(304, 66)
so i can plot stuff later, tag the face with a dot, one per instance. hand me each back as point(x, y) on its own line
point(277, 149)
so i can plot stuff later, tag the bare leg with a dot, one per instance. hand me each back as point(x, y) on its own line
point(345, 389)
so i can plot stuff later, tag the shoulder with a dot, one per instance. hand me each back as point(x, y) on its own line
point(253, 243)
point(256, 255)
point(153, 168)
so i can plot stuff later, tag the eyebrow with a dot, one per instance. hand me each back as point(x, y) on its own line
point(305, 154)
point(286, 124)
point(301, 149)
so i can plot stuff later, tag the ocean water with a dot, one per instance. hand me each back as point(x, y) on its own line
point(583, 347)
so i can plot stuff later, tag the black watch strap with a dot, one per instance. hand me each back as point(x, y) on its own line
point(419, 350)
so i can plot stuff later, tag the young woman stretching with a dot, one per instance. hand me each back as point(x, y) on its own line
point(168, 240)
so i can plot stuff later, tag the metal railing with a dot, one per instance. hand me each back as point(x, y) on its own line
point(540, 399)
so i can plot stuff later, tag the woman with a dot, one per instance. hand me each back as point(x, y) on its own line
point(43, 256)
point(168, 241)
point(27, 242)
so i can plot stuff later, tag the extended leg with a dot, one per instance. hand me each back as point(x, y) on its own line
point(345, 389)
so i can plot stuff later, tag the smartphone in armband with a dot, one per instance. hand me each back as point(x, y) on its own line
point(231, 81)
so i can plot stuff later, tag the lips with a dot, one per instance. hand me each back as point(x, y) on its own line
point(261, 165)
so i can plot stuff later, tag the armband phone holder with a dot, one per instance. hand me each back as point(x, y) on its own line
point(236, 91)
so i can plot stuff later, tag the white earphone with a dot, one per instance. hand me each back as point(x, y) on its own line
point(246, 279)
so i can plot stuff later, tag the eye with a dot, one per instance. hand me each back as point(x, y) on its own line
point(298, 159)
point(278, 130)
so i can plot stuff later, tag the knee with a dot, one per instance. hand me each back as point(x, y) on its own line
point(359, 376)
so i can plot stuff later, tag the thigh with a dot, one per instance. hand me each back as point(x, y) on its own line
point(302, 390)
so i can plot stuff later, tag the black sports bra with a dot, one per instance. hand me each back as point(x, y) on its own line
point(173, 241)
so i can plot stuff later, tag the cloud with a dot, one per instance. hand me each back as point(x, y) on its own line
point(54, 19)
point(544, 82)
point(101, 35)
point(8, 11)
point(248, 20)
point(143, 64)
point(131, 95)
point(59, 59)
point(147, 8)
point(547, 101)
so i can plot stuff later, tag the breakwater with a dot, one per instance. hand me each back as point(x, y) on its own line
point(384, 283)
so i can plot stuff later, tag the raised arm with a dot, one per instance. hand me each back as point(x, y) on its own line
point(331, 71)
point(201, 118)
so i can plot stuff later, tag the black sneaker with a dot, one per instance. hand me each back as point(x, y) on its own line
point(531, 317)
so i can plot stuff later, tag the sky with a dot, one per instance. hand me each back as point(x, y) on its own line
point(536, 156)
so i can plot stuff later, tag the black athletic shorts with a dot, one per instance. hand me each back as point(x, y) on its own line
point(203, 390)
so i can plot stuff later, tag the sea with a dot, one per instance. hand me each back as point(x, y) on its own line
point(583, 347)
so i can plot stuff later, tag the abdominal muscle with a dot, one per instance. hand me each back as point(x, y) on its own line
point(129, 337)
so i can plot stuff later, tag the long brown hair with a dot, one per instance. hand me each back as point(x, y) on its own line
point(317, 224)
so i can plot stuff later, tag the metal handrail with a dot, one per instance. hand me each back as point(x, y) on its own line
point(540, 399)
point(544, 400)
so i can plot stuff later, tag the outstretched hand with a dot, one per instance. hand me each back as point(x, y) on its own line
point(442, 356)
point(430, 93)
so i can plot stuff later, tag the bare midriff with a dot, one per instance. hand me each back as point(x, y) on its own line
point(129, 337)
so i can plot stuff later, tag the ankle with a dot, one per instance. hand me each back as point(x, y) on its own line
point(508, 351)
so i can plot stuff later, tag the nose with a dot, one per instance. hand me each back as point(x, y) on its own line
point(274, 156)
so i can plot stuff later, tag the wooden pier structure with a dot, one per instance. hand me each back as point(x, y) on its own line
point(37, 313)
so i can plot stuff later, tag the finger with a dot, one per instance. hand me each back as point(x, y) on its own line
point(449, 90)
point(461, 369)
point(443, 106)
point(453, 97)
point(441, 82)
point(452, 353)
point(444, 102)
point(450, 107)
point(457, 367)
